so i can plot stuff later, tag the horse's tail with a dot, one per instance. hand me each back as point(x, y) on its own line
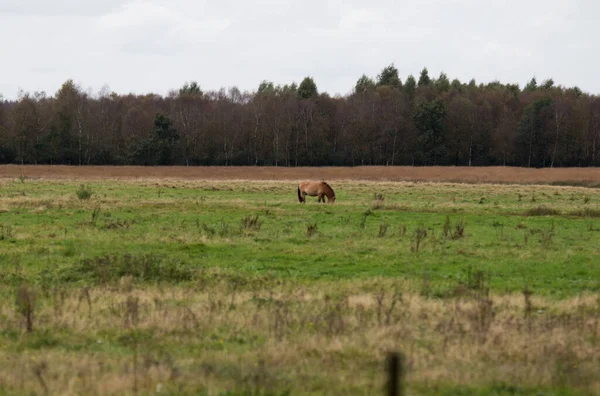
point(299, 195)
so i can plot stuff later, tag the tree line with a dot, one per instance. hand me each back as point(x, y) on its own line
point(384, 121)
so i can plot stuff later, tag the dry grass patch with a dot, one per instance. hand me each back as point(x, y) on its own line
point(230, 332)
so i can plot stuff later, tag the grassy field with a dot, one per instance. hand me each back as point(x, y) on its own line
point(231, 286)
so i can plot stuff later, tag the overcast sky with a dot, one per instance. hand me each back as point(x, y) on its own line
point(144, 46)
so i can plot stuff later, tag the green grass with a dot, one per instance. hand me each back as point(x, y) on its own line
point(235, 287)
point(47, 233)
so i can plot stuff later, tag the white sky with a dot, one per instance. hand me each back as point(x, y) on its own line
point(144, 46)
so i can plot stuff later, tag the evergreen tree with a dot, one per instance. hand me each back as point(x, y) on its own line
point(266, 87)
point(410, 86)
point(389, 77)
point(364, 84)
point(456, 85)
point(424, 78)
point(531, 85)
point(429, 120)
point(532, 127)
point(442, 83)
point(190, 89)
point(307, 89)
point(159, 148)
point(548, 84)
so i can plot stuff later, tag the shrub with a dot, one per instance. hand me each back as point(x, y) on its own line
point(25, 302)
point(587, 212)
point(383, 227)
point(84, 193)
point(251, 223)
point(111, 268)
point(311, 229)
point(542, 211)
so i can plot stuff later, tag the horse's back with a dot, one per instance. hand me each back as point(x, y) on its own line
point(309, 185)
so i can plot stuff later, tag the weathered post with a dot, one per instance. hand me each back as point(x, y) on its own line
point(395, 369)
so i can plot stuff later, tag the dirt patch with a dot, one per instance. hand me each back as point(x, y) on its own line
point(588, 177)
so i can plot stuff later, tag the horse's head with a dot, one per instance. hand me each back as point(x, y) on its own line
point(331, 196)
point(329, 192)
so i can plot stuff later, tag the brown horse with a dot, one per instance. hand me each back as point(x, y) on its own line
point(313, 188)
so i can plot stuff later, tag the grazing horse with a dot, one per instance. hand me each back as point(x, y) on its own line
point(313, 188)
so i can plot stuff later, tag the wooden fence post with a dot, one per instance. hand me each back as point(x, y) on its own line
point(395, 369)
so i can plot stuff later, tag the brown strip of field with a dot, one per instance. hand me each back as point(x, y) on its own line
point(582, 176)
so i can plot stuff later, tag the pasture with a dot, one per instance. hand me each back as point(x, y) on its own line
point(182, 286)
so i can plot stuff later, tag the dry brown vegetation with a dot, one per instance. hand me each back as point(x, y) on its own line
point(253, 333)
point(236, 331)
point(575, 176)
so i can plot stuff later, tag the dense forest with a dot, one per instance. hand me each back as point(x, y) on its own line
point(384, 121)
